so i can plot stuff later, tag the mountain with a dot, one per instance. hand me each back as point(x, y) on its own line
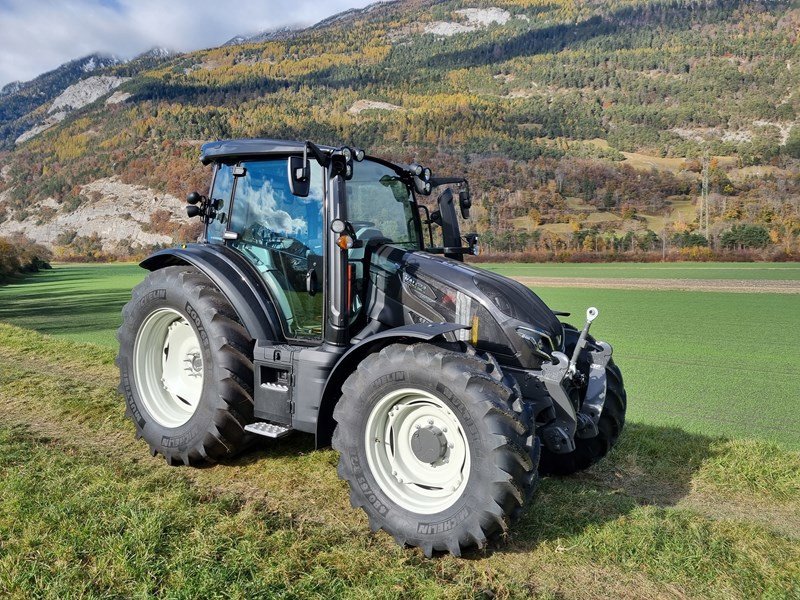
point(11, 88)
point(291, 31)
point(582, 125)
point(18, 100)
point(271, 35)
point(156, 52)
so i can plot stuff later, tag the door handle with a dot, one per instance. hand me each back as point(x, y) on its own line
point(311, 282)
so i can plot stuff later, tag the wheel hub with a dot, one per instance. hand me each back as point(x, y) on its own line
point(168, 366)
point(417, 450)
point(193, 364)
point(429, 444)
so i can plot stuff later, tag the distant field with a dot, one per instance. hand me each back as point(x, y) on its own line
point(776, 271)
point(77, 302)
point(708, 362)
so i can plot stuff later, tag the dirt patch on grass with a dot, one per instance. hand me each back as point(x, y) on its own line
point(745, 286)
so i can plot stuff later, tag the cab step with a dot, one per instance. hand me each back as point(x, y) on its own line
point(270, 430)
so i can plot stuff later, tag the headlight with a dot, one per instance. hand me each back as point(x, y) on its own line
point(541, 343)
point(497, 296)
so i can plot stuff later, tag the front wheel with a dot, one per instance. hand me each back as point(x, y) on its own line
point(186, 367)
point(438, 449)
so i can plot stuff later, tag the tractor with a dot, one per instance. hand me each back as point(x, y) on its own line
point(318, 301)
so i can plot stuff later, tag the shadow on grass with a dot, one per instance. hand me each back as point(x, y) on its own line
point(66, 300)
point(264, 448)
point(57, 275)
point(650, 466)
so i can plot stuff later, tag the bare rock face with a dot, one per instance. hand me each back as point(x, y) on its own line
point(74, 97)
point(362, 105)
point(118, 98)
point(114, 210)
point(476, 18)
point(43, 126)
point(85, 92)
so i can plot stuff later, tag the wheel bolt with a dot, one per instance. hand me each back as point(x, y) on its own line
point(444, 429)
point(417, 426)
point(430, 421)
point(451, 445)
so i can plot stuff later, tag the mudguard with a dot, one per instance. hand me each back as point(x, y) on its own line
point(236, 278)
point(422, 332)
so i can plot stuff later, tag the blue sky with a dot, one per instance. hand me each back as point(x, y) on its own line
point(39, 35)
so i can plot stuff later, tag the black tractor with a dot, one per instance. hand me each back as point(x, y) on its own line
point(317, 302)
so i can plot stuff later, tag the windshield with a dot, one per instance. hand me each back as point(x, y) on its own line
point(380, 205)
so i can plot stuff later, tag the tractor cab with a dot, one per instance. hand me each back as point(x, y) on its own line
point(281, 209)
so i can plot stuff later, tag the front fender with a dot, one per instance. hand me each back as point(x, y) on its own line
point(236, 278)
point(421, 332)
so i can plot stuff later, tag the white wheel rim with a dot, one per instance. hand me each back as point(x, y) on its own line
point(168, 367)
point(414, 484)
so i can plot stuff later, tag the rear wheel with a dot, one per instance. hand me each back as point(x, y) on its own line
point(588, 451)
point(186, 367)
point(437, 448)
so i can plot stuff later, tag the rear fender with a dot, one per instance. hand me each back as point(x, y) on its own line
point(236, 278)
point(409, 334)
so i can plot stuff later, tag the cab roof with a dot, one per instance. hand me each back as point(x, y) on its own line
point(220, 150)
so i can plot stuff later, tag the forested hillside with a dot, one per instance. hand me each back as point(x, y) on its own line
point(582, 125)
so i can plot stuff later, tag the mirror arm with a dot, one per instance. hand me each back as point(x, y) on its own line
point(323, 159)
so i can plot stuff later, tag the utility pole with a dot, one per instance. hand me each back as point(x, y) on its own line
point(704, 194)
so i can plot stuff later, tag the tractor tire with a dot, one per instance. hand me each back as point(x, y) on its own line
point(186, 368)
point(588, 451)
point(438, 449)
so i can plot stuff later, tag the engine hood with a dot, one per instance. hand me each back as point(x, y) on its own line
point(432, 287)
point(495, 292)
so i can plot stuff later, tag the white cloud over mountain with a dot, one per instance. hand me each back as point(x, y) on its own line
point(39, 35)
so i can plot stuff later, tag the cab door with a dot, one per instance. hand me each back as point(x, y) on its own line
point(281, 235)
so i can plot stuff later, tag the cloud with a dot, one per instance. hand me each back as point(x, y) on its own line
point(39, 35)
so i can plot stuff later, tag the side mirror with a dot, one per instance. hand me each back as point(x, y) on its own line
point(193, 198)
point(464, 202)
point(299, 176)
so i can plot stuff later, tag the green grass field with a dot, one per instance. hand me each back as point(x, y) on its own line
point(701, 497)
point(76, 302)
